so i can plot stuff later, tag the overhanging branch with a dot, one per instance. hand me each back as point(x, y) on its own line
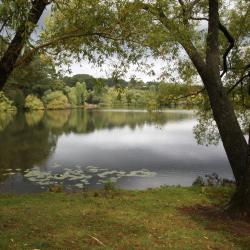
point(240, 81)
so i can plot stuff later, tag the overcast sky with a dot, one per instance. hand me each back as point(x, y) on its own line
point(106, 70)
point(84, 67)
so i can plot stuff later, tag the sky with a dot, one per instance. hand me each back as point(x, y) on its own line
point(85, 67)
point(106, 70)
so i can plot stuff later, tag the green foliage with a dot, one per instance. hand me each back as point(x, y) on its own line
point(206, 131)
point(16, 95)
point(80, 93)
point(212, 180)
point(33, 103)
point(35, 77)
point(6, 118)
point(76, 94)
point(72, 96)
point(55, 100)
point(109, 185)
point(5, 103)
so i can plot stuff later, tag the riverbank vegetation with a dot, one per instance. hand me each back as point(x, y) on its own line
point(38, 86)
point(215, 54)
point(162, 218)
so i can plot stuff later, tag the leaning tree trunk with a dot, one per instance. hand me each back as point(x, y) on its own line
point(23, 32)
point(231, 134)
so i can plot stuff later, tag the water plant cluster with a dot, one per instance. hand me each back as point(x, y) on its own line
point(79, 177)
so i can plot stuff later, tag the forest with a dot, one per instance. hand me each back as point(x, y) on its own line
point(38, 86)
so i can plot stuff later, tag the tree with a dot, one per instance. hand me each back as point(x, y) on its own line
point(17, 18)
point(35, 77)
point(132, 28)
point(178, 24)
point(167, 28)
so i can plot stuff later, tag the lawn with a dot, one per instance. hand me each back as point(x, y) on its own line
point(163, 218)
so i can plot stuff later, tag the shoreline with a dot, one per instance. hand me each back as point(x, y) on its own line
point(160, 218)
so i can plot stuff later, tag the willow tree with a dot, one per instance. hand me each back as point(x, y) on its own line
point(76, 26)
point(213, 34)
point(198, 27)
point(18, 20)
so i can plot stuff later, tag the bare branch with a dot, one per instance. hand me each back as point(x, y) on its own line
point(189, 95)
point(240, 81)
point(3, 25)
point(75, 34)
point(229, 48)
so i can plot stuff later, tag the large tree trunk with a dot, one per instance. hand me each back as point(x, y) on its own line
point(22, 34)
point(231, 134)
point(240, 202)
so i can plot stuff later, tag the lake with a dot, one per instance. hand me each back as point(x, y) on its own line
point(134, 149)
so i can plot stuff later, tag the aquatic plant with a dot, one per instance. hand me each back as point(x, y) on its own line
point(79, 177)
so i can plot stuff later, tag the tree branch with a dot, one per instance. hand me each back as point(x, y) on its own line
point(230, 39)
point(239, 82)
point(188, 95)
point(229, 48)
point(3, 25)
point(28, 56)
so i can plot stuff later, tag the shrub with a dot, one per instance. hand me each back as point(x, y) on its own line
point(56, 100)
point(109, 185)
point(72, 97)
point(6, 104)
point(80, 93)
point(212, 180)
point(33, 103)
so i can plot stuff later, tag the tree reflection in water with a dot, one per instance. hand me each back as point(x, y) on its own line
point(30, 139)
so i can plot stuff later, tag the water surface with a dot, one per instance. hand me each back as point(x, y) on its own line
point(133, 148)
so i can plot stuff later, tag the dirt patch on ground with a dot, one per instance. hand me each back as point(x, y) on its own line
point(216, 218)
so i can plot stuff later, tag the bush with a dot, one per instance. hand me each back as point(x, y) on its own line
point(33, 103)
point(212, 180)
point(6, 104)
point(72, 97)
point(109, 185)
point(76, 95)
point(56, 100)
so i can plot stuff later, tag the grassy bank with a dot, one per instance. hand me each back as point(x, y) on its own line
point(164, 218)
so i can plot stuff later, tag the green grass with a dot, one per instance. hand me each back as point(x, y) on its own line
point(163, 218)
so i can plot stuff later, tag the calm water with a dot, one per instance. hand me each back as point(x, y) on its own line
point(134, 149)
